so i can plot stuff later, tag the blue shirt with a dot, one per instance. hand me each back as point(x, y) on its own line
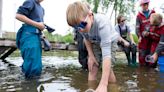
point(32, 9)
point(146, 13)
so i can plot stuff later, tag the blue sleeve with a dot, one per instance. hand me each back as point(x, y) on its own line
point(26, 8)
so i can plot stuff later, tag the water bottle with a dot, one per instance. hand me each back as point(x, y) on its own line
point(149, 58)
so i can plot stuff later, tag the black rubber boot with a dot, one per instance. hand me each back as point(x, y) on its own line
point(128, 59)
point(134, 51)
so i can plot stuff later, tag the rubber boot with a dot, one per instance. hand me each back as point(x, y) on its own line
point(129, 59)
point(127, 53)
point(134, 51)
point(134, 63)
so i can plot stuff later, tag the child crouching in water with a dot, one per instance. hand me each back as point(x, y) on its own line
point(98, 36)
point(157, 21)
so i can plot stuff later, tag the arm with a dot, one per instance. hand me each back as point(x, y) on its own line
point(154, 36)
point(130, 35)
point(131, 38)
point(137, 26)
point(91, 57)
point(24, 11)
point(125, 43)
point(106, 69)
point(160, 47)
point(107, 72)
point(89, 47)
point(120, 39)
point(26, 20)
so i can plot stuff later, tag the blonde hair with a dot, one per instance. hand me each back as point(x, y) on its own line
point(75, 12)
point(156, 19)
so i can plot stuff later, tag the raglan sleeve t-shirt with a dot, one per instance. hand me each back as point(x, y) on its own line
point(32, 9)
point(106, 33)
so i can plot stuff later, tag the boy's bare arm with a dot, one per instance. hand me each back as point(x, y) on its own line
point(126, 43)
point(131, 38)
point(91, 57)
point(26, 20)
point(89, 47)
point(105, 71)
point(106, 68)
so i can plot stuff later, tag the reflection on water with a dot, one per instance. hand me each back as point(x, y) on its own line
point(65, 75)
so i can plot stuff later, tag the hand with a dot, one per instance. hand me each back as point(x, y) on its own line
point(126, 44)
point(91, 62)
point(145, 33)
point(41, 26)
point(133, 43)
point(139, 40)
point(155, 56)
point(101, 88)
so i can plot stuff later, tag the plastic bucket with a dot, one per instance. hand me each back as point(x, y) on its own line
point(161, 63)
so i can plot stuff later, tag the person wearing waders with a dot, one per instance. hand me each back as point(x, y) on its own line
point(154, 35)
point(157, 21)
point(28, 36)
point(142, 28)
point(124, 30)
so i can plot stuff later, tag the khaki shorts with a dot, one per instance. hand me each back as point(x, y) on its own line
point(98, 54)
